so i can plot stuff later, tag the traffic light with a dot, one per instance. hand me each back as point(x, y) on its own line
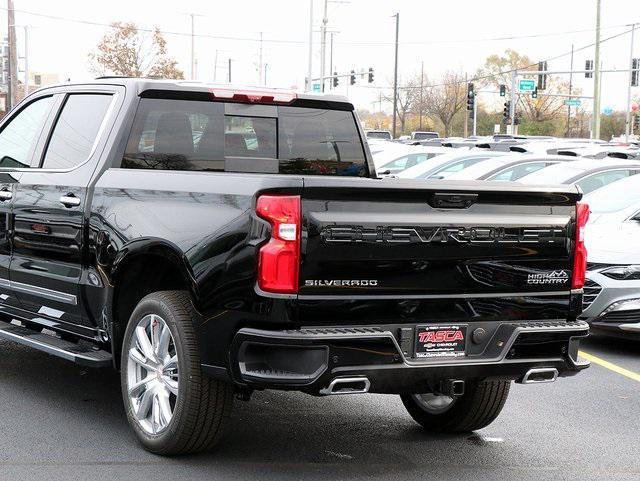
point(503, 90)
point(534, 93)
point(352, 79)
point(516, 120)
point(635, 72)
point(507, 110)
point(636, 122)
point(542, 78)
point(335, 79)
point(471, 96)
point(370, 80)
point(588, 66)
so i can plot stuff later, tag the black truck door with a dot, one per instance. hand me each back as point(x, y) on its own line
point(19, 138)
point(49, 205)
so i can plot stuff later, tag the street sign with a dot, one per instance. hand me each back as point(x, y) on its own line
point(316, 87)
point(527, 85)
point(572, 102)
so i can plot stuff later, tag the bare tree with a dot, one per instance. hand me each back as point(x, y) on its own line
point(128, 51)
point(408, 98)
point(545, 107)
point(445, 100)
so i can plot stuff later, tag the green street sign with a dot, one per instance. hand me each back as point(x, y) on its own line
point(572, 102)
point(527, 85)
point(316, 87)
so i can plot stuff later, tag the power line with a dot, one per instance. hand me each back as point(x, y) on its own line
point(503, 72)
point(363, 43)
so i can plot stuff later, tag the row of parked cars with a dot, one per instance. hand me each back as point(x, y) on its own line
point(604, 171)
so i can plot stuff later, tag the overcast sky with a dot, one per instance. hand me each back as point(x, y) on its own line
point(445, 35)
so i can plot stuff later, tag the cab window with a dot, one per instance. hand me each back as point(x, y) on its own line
point(19, 137)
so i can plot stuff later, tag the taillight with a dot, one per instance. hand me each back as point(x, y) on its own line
point(279, 258)
point(580, 255)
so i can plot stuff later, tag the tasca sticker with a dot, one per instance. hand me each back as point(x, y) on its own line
point(560, 277)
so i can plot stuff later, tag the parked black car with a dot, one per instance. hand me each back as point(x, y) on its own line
point(210, 241)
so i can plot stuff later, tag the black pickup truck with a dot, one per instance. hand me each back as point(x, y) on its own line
point(209, 241)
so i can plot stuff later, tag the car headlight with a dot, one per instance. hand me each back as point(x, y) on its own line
point(622, 273)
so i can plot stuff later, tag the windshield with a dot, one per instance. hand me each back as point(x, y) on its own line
point(424, 135)
point(615, 197)
point(378, 135)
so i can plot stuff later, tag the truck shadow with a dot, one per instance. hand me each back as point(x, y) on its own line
point(275, 433)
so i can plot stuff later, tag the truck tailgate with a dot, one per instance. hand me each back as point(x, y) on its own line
point(406, 239)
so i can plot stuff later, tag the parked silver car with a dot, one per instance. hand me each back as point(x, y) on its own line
point(611, 298)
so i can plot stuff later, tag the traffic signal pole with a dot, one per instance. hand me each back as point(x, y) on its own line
point(475, 116)
point(514, 97)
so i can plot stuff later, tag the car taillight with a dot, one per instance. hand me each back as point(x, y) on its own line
point(580, 254)
point(279, 258)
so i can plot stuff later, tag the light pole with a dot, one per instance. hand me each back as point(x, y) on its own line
point(627, 130)
point(395, 77)
point(596, 78)
point(323, 45)
point(310, 60)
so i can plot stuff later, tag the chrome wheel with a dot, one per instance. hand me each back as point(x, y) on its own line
point(152, 374)
point(434, 404)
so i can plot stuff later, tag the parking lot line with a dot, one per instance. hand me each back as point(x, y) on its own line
point(609, 365)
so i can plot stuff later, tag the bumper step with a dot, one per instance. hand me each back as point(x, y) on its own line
point(85, 356)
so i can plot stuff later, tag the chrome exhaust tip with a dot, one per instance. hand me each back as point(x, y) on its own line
point(540, 375)
point(347, 385)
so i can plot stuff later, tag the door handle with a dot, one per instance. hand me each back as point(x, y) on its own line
point(5, 195)
point(70, 200)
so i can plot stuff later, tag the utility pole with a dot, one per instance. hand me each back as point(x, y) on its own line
point(26, 60)
point(260, 62)
point(395, 78)
point(193, 51)
point(310, 60)
point(466, 116)
point(421, 89)
point(595, 133)
point(570, 92)
point(331, 59)
point(12, 81)
point(323, 44)
point(229, 69)
point(215, 65)
point(627, 130)
point(265, 73)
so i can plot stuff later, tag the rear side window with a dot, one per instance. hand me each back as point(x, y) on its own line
point(76, 130)
point(595, 181)
point(517, 171)
point(171, 134)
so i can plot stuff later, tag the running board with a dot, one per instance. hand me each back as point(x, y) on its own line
point(85, 356)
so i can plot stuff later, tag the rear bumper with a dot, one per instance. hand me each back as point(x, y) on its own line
point(310, 359)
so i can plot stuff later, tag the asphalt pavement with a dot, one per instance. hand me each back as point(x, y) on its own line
point(62, 422)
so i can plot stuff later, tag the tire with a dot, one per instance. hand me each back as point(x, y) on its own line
point(478, 407)
point(180, 410)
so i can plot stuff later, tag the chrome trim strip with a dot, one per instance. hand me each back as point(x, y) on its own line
point(40, 291)
point(491, 295)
